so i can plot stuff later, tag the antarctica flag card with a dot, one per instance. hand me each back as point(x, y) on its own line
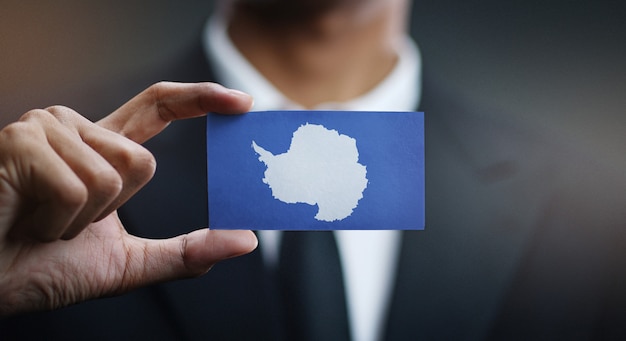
point(316, 170)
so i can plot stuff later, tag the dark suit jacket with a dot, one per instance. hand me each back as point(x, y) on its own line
point(523, 240)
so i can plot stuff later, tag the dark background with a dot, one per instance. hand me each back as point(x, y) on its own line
point(559, 64)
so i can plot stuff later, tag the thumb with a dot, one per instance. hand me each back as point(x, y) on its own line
point(188, 255)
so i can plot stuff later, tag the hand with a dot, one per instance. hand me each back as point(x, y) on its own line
point(62, 179)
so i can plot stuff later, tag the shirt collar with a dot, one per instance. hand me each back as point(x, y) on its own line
point(399, 91)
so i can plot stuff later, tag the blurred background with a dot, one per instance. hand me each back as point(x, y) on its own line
point(559, 64)
point(50, 51)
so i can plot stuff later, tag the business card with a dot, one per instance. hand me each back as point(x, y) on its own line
point(316, 170)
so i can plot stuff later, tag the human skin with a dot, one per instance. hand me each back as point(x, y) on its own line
point(319, 51)
point(62, 179)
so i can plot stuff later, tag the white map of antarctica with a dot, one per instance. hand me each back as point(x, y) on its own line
point(320, 168)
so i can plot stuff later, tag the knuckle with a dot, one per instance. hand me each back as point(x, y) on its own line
point(20, 137)
point(159, 86)
point(156, 92)
point(37, 115)
point(51, 115)
point(58, 110)
point(16, 130)
point(144, 165)
point(107, 183)
point(73, 196)
point(62, 113)
point(137, 163)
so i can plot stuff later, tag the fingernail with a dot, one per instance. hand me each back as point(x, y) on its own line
point(238, 93)
point(236, 243)
point(243, 96)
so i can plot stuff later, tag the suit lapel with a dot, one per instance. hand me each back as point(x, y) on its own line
point(452, 276)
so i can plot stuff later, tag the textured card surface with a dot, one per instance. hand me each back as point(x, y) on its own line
point(316, 170)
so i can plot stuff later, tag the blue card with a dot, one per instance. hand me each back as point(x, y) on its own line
point(316, 170)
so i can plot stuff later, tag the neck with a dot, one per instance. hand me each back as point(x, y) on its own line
point(332, 55)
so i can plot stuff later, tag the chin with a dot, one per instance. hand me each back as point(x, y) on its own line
point(296, 9)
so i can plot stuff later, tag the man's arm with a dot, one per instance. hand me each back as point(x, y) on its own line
point(62, 179)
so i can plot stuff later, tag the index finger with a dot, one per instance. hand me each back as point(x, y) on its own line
point(152, 110)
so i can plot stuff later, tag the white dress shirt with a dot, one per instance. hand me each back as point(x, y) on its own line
point(368, 257)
